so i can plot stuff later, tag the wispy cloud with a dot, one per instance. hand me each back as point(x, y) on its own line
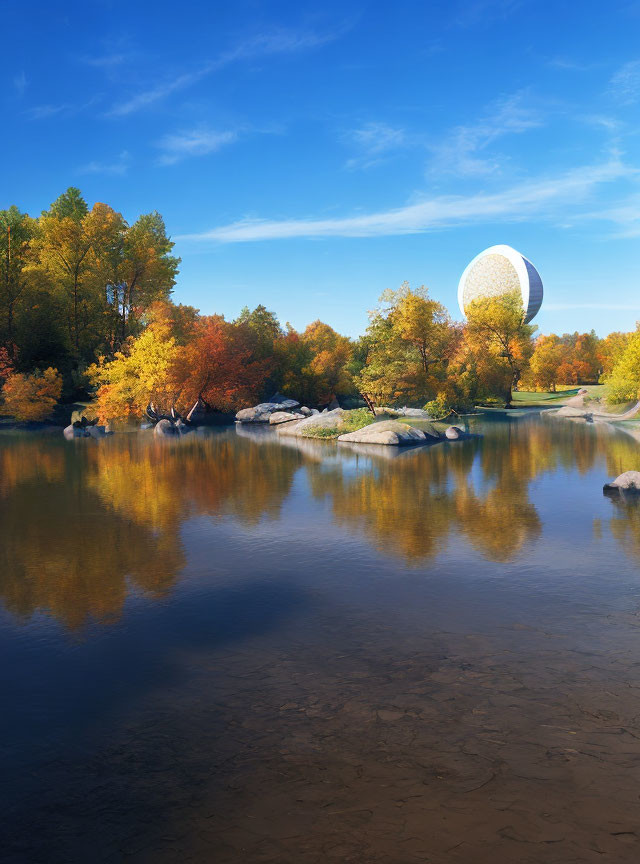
point(41, 112)
point(20, 84)
point(469, 13)
point(195, 142)
point(374, 141)
point(117, 166)
point(569, 65)
point(605, 307)
point(264, 45)
point(462, 151)
point(625, 215)
point(625, 84)
point(540, 197)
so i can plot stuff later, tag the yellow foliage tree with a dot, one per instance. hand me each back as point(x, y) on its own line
point(32, 397)
point(139, 374)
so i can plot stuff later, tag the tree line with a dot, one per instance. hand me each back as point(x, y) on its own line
point(86, 313)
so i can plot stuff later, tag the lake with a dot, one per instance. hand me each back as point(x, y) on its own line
point(239, 648)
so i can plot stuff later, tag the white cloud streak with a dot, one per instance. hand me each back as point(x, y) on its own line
point(375, 141)
point(461, 152)
point(118, 167)
point(540, 197)
point(263, 45)
point(196, 142)
point(604, 307)
point(625, 84)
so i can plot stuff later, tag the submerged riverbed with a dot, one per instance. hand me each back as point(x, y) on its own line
point(240, 648)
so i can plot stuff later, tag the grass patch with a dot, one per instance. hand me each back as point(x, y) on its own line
point(350, 421)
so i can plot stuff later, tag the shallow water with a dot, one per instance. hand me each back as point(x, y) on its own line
point(232, 648)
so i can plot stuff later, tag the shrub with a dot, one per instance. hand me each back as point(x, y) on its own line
point(439, 407)
point(32, 397)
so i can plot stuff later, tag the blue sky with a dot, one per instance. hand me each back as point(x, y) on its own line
point(307, 156)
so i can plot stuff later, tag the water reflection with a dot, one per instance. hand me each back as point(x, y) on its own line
point(83, 525)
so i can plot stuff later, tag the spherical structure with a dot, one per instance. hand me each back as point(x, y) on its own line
point(500, 270)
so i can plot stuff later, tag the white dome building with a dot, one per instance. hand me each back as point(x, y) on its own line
point(499, 270)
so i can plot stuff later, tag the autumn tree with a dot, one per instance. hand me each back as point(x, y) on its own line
point(409, 344)
point(497, 332)
point(16, 231)
point(610, 350)
point(139, 374)
point(624, 379)
point(63, 242)
point(545, 362)
point(423, 323)
point(141, 270)
point(328, 367)
point(218, 365)
point(32, 397)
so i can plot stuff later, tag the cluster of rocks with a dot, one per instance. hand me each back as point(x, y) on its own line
point(294, 420)
point(84, 428)
point(277, 410)
point(418, 413)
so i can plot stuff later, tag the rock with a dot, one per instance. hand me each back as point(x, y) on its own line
point(414, 412)
point(306, 411)
point(629, 482)
point(326, 420)
point(96, 431)
point(314, 411)
point(181, 427)
point(165, 429)
point(390, 432)
point(72, 431)
point(260, 413)
point(453, 433)
point(582, 392)
point(572, 411)
point(333, 404)
point(285, 417)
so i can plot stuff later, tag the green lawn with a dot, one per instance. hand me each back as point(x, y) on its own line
point(526, 398)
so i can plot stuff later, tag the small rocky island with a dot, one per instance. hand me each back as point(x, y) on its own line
point(357, 426)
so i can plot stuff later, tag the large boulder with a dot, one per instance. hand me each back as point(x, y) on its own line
point(261, 413)
point(285, 417)
point(165, 429)
point(627, 482)
point(574, 412)
point(326, 420)
point(390, 432)
point(453, 433)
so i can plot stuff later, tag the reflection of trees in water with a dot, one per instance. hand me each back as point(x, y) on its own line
point(625, 524)
point(160, 483)
point(478, 488)
point(411, 505)
point(63, 552)
point(76, 523)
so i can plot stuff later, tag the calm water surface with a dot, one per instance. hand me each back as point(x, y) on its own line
point(235, 648)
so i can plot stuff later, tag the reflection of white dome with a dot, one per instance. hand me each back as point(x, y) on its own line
point(500, 270)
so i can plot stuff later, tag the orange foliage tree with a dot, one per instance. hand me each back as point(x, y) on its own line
point(219, 366)
point(32, 397)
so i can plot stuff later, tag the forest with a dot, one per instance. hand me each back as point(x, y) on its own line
point(86, 314)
